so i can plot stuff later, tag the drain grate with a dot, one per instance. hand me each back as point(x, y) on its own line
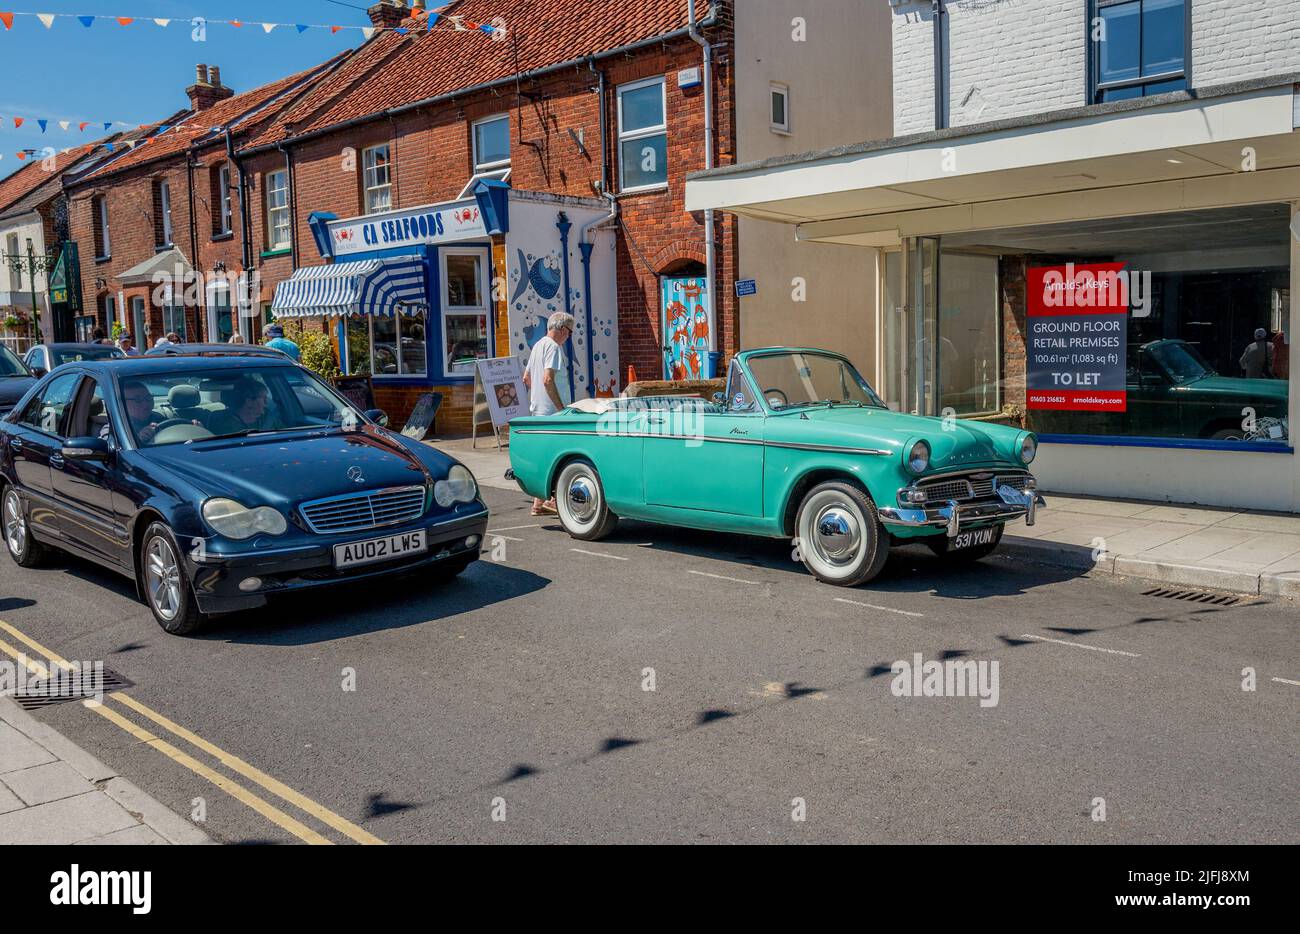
point(1193, 596)
point(66, 686)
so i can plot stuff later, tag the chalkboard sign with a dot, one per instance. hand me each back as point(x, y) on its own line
point(421, 418)
point(357, 390)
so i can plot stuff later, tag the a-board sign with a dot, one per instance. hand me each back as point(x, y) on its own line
point(502, 382)
point(357, 390)
point(420, 421)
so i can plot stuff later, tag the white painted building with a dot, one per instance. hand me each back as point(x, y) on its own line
point(1157, 138)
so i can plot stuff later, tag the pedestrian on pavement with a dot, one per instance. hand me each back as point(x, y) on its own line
point(98, 336)
point(237, 338)
point(162, 342)
point(547, 379)
point(126, 345)
point(1257, 359)
point(277, 341)
point(174, 338)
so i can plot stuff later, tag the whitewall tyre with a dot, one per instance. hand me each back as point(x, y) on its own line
point(580, 501)
point(841, 540)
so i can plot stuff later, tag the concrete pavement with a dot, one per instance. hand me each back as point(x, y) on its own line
point(1174, 544)
point(54, 792)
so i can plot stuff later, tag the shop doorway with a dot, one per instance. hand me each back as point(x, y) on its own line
point(685, 310)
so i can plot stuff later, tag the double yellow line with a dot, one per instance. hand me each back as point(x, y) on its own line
point(233, 788)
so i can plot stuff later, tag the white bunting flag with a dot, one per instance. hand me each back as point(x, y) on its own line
point(367, 31)
point(47, 19)
point(164, 23)
point(267, 27)
point(64, 124)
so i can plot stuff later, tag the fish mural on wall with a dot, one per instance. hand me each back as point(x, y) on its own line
point(544, 279)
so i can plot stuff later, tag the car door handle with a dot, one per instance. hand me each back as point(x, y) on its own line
point(56, 460)
point(655, 421)
point(16, 444)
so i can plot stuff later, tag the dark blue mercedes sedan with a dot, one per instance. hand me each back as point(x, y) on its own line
point(215, 482)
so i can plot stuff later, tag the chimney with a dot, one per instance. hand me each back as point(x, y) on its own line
point(388, 13)
point(207, 88)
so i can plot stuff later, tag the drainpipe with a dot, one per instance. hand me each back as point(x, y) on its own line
point(940, 72)
point(586, 238)
point(709, 259)
point(245, 254)
point(194, 245)
point(563, 224)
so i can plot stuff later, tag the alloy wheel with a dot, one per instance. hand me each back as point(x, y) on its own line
point(162, 575)
point(15, 524)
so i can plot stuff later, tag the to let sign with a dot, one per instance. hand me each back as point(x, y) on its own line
point(1077, 340)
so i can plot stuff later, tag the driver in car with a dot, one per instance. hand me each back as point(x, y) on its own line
point(144, 418)
point(246, 407)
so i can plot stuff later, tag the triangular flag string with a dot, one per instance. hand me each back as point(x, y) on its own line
point(455, 23)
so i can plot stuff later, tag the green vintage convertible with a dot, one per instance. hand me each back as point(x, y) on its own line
point(799, 446)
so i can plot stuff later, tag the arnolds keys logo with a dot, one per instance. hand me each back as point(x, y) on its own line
point(87, 887)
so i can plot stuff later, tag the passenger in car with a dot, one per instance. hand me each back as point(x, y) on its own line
point(245, 408)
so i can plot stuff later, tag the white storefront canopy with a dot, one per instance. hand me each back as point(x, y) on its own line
point(1030, 170)
point(382, 287)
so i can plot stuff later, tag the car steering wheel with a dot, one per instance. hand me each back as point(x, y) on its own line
point(170, 422)
point(768, 393)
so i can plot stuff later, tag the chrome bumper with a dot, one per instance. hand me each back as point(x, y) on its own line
point(953, 515)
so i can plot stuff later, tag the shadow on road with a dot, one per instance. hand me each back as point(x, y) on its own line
point(911, 569)
point(336, 612)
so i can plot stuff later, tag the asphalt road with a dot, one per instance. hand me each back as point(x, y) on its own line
point(518, 692)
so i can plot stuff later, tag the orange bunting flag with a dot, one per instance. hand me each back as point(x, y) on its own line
point(7, 19)
point(334, 29)
point(18, 121)
point(82, 125)
point(20, 154)
point(125, 20)
point(236, 23)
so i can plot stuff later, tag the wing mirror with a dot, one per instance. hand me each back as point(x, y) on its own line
point(378, 416)
point(720, 400)
point(39, 371)
point(85, 449)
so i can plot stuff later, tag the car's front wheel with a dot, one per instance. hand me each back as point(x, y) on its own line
point(26, 551)
point(166, 586)
point(580, 501)
point(840, 538)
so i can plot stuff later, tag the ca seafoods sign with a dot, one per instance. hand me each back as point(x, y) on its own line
point(458, 221)
point(1077, 340)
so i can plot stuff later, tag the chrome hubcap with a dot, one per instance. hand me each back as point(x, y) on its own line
point(162, 575)
point(15, 524)
point(837, 534)
point(582, 498)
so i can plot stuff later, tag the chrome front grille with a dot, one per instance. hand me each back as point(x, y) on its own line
point(356, 512)
point(979, 485)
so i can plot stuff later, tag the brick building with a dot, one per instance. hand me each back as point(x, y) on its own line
point(597, 112)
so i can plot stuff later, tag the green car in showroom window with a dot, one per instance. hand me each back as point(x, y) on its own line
point(800, 446)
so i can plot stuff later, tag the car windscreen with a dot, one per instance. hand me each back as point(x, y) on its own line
point(197, 405)
point(792, 379)
point(11, 365)
point(1183, 363)
point(77, 354)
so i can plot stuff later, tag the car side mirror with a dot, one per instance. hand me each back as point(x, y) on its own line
point(720, 400)
point(39, 371)
point(85, 449)
point(378, 416)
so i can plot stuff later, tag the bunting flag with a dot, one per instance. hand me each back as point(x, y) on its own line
point(431, 20)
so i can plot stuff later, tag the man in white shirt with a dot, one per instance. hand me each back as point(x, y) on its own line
point(546, 377)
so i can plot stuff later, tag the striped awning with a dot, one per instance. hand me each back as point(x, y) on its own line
point(366, 287)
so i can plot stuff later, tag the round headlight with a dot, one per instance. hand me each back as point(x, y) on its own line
point(1028, 449)
point(235, 520)
point(917, 457)
point(459, 487)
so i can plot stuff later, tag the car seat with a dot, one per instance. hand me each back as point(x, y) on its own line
point(184, 401)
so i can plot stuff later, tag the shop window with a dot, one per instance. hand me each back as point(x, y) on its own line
point(464, 310)
point(779, 97)
point(278, 233)
point(99, 221)
point(384, 346)
point(1153, 329)
point(376, 174)
point(642, 135)
point(222, 215)
point(84, 326)
point(1139, 48)
point(969, 364)
point(173, 317)
point(162, 212)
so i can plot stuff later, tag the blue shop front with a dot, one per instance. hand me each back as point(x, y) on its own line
point(413, 297)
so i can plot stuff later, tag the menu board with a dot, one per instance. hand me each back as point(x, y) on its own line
point(502, 381)
point(1076, 341)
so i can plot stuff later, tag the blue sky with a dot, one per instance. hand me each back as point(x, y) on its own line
point(138, 73)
